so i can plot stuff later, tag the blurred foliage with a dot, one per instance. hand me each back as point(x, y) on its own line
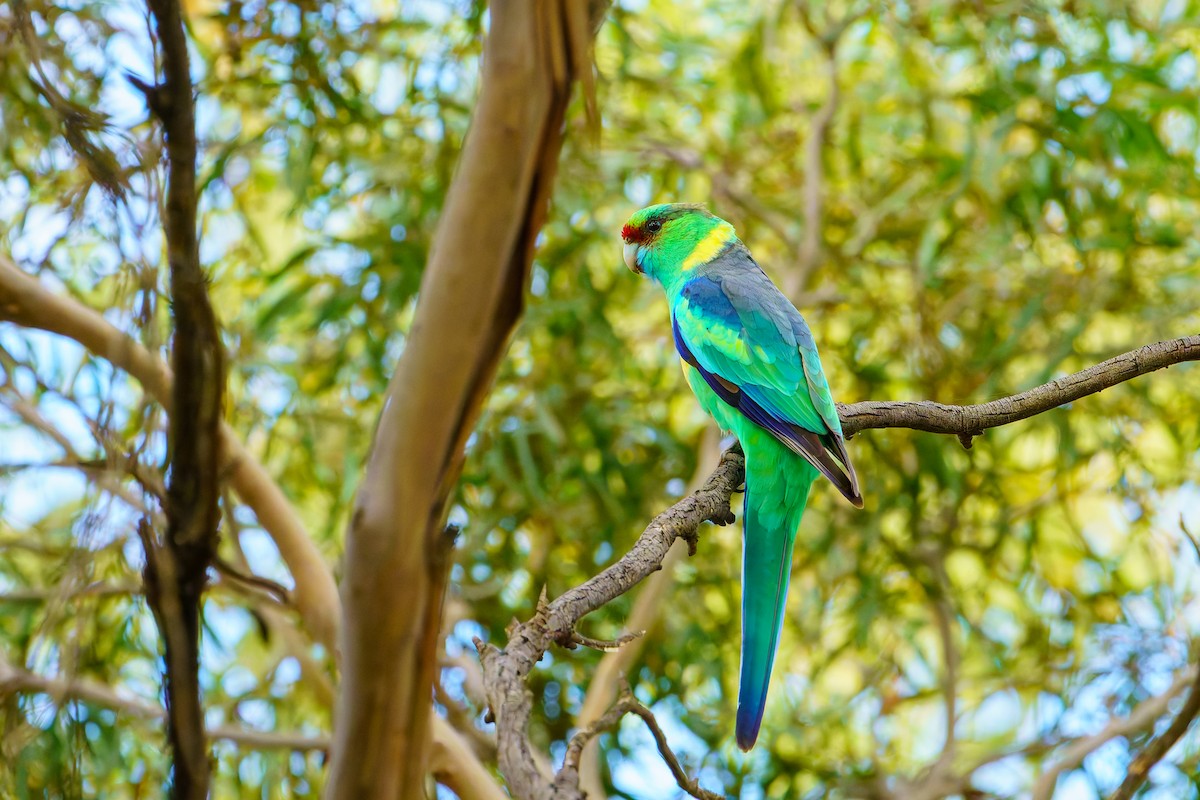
point(1009, 193)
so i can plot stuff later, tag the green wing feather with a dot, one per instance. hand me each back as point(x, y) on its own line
point(757, 348)
point(747, 340)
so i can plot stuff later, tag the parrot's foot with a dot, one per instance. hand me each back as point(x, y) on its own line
point(723, 516)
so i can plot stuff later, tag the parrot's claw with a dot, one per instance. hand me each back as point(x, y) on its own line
point(723, 517)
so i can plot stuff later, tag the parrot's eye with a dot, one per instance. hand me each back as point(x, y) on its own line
point(654, 226)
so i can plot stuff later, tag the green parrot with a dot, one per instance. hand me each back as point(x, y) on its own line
point(751, 361)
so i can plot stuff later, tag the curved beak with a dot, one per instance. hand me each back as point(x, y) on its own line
point(630, 252)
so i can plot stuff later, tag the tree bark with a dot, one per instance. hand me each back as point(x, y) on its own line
point(176, 569)
point(471, 297)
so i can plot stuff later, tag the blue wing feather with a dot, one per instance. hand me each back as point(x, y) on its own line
point(755, 351)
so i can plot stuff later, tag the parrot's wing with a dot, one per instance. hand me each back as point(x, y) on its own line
point(756, 353)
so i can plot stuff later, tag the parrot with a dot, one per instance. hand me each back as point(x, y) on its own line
point(750, 359)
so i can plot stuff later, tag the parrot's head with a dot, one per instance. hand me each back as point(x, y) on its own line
point(659, 240)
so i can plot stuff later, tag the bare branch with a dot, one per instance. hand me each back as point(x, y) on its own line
point(814, 173)
point(604, 645)
point(568, 776)
point(689, 785)
point(275, 590)
point(970, 421)
point(176, 568)
point(44, 594)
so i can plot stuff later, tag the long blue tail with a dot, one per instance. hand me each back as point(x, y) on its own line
point(768, 535)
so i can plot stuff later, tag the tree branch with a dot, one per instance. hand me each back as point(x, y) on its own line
point(472, 295)
point(505, 670)
point(567, 780)
point(176, 568)
point(814, 167)
point(603, 645)
point(689, 785)
point(970, 421)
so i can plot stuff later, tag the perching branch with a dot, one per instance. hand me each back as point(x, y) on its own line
point(177, 566)
point(969, 421)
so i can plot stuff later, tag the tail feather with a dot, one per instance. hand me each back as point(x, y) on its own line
point(767, 542)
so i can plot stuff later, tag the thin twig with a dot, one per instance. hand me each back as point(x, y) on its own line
point(568, 777)
point(505, 670)
point(276, 590)
point(689, 785)
point(569, 774)
point(604, 645)
point(42, 594)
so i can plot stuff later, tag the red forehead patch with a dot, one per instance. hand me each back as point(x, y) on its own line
point(632, 234)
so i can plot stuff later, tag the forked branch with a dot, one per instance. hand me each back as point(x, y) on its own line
point(567, 779)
